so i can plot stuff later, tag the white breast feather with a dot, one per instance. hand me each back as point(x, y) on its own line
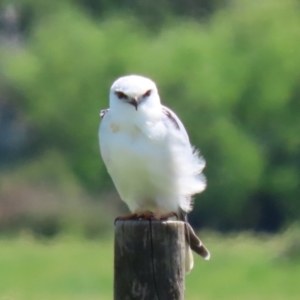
point(151, 163)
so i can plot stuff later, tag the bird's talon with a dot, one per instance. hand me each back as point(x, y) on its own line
point(127, 217)
point(146, 216)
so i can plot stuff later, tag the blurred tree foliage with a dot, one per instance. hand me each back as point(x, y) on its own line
point(233, 80)
point(154, 13)
point(44, 198)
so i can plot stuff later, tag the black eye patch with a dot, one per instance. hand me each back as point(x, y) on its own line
point(121, 95)
point(147, 94)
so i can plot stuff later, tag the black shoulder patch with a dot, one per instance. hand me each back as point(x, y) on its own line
point(171, 117)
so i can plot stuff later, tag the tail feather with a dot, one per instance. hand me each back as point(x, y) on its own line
point(195, 243)
point(192, 242)
point(189, 259)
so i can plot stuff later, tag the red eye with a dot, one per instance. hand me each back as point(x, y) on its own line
point(121, 95)
point(147, 94)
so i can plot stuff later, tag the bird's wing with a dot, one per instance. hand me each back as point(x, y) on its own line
point(172, 119)
point(103, 112)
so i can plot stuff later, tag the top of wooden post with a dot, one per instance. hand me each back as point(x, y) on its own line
point(149, 260)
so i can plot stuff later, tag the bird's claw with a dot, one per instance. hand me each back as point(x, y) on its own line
point(148, 215)
point(126, 218)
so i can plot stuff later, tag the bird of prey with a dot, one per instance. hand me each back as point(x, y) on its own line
point(148, 155)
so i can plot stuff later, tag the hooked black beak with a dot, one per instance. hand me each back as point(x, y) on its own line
point(134, 101)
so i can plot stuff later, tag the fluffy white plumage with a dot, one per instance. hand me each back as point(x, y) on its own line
point(147, 151)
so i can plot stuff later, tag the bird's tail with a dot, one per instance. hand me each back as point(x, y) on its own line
point(192, 243)
point(189, 259)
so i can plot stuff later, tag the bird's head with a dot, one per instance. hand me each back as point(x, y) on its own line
point(133, 92)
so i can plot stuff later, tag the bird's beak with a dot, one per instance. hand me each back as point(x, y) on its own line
point(135, 102)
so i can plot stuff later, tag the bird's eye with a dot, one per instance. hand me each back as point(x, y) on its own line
point(121, 95)
point(147, 94)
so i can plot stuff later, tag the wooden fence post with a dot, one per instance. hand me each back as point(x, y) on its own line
point(149, 260)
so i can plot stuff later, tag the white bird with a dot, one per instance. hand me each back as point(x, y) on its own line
point(148, 155)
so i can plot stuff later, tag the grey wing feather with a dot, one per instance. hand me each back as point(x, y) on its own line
point(190, 235)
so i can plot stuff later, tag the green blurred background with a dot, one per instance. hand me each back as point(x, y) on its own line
point(229, 69)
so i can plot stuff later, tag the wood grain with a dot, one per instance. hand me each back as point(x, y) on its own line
point(149, 260)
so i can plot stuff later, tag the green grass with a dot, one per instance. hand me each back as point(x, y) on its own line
point(242, 267)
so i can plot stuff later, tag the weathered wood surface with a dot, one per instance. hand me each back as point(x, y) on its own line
point(149, 260)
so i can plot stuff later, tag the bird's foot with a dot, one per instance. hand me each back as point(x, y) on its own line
point(127, 217)
point(149, 215)
point(165, 217)
point(146, 215)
